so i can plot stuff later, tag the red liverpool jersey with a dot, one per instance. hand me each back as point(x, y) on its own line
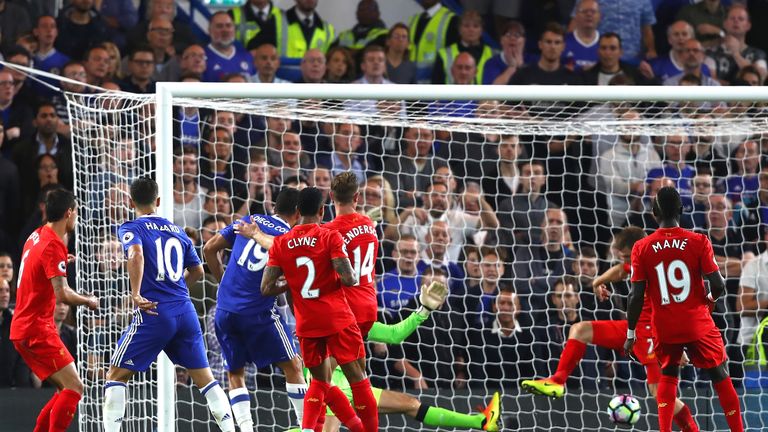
point(44, 257)
point(362, 244)
point(304, 254)
point(672, 262)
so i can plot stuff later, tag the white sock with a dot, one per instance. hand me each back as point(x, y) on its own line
point(241, 408)
point(296, 394)
point(219, 406)
point(114, 406)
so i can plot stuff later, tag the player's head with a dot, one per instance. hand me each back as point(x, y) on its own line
point(311, 202)
point(144, 193)
point(60, 206)
point(626, 239)
point(286, 203)
point(344, 188)
point(667, 207)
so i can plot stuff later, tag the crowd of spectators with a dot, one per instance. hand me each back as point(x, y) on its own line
point(517, 226)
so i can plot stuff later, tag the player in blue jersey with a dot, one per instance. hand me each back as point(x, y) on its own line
point(162, 262)
point(248, 326)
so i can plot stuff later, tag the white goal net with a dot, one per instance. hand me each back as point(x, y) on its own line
point(503, 195)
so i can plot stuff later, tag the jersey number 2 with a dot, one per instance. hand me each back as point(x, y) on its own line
point(683, 283)
point(164, 263)
point(306, 290)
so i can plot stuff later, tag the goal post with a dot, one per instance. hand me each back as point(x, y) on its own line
point(118, 136)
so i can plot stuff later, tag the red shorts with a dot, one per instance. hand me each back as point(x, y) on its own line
point(613, 334)
point(705, 353)
point(44, 353)
point(345, 346)
point(365, 327)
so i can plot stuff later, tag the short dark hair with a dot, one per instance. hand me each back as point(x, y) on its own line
point(344, 187)
point(588, 252)
point(667, 205)
point(611, 35)
point(310, 201)
point(553, 27)
point(44, 104)
point(57, 202)
point(144, 191)
point(691, 78)
point(431, 270)
point(287, 201)
point(627, 237)
point(141, 48)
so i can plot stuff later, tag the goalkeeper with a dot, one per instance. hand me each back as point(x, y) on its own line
point(432, 296)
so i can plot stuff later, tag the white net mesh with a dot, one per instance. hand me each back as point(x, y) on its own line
point(545, 185)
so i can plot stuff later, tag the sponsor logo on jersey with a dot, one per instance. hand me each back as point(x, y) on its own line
point(63, 266)
point(127, 237)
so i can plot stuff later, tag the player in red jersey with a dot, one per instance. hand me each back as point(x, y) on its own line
point(359, 235)
point(611, 334)
point(43, 282)
point(314, 261)
point(670, 264)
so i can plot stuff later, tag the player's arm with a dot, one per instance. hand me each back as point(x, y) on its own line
point(252, 231)
point(716, 285)
point(135, 276)
point(67, 295)
point(271, 285)
point(345, 271)
point(212, 257)
point(634, 308)
point(193, 274)
point(432, 298)
point(613, 274)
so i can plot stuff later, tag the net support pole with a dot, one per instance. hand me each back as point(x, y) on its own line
point(166, 372)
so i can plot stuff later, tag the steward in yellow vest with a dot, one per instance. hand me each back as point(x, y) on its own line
point(471, 32)
point(431, 31)
point(255, 17)
point(369, 29)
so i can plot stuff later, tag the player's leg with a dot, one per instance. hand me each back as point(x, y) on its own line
point(115, 398)
point(43, 353)
point(579, 336)
point(285, 355)
point(682, 415)
point(338, 398)
point(669, 356)
point(729, 399)
point(63, 409)
point(347, 348)
point(394, 402)
point(234, 351)
point(315, 359)
point(187, 349)
point(295, 386)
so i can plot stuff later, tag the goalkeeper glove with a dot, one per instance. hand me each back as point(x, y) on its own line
point(432, 298)
point(375, 215)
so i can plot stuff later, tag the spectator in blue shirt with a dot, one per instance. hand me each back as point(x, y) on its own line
point(743, 180)
point(581, 44)
point(673, 63)
point(675, 149)
point(500, 68)
point(400, 284)
point(633, 21)
point(225, 56)
point(83, 28)
point(48, 58)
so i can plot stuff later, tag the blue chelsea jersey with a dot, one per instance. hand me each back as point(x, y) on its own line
point(240, 288)
point(167, 252)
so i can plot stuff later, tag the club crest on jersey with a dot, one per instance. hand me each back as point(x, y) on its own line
point(62, 266)
point(127, 237)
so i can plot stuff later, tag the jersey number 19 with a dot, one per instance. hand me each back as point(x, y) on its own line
point(682, 283)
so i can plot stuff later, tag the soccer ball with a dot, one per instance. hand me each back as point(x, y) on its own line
point(624, 410)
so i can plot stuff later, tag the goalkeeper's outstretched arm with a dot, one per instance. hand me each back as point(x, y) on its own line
point(431, 298)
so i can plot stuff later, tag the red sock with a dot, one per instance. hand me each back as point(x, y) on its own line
point(729, 400)
point(666, 395)
point(338, 403)
point(365, 405)
point(572, 354)
point(684, 420)
point(63, 410)
point(314, 403)
point(320, 421)
point(45, 415)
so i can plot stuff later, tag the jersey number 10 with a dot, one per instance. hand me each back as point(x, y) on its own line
point(165, 265)
point(682, 283)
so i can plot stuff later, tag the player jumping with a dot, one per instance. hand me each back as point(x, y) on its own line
point(611, 334)
point(314, 262)
point(43, 282)
point(164, 319)
point(670, 263)
point(248, 327)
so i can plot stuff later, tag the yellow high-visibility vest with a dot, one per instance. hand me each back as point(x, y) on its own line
point(424, 51)
point(247, 30)
point(448, 55)
point(296, 46)
point(347, 38)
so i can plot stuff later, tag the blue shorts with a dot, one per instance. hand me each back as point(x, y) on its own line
point(261, 339)
point(178, 335)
